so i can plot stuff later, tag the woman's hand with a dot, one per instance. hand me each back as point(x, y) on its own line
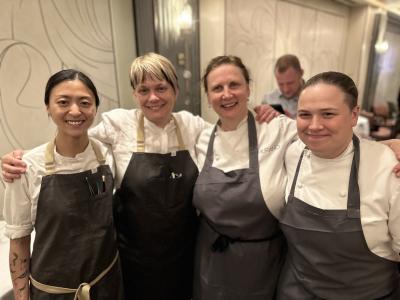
point(394, 144)
point(265, 113)
point(12, 166)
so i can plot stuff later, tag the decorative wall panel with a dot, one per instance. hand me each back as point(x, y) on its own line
point(250, 34)
point(260, 31)
point(39, 38)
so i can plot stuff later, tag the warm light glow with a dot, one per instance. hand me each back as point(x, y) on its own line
point(382, 47)
point(185, 19)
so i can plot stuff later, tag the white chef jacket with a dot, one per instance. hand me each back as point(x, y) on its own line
point(231, 152)
point(119, 128)
point(21, 196)
point(324, 183)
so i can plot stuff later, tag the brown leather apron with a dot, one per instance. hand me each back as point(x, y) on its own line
point(328, 256)
point(240, 248)
point(157, 223)
point(75, 239)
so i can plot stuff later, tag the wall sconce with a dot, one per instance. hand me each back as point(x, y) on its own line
point(185, 19)
point(381, 45)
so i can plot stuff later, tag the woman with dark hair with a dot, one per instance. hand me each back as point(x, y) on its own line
point(65, 196)
point(154, 150)
point(342, 218)
point(239, 193)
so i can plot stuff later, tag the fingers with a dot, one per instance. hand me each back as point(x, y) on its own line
point(268, 116)
point(17, 154)
point(9, 177)
point(12, 166)
point(13, 159)
point(265, 113)
point(396, 170)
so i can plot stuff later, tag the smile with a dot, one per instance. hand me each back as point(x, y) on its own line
point(75, 123)
point(229, 105)
point(155, 106)
point(317, 136)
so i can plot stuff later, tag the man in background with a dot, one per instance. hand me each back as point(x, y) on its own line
point(289, 77)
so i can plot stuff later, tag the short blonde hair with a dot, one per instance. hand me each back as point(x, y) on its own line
point(153, 66)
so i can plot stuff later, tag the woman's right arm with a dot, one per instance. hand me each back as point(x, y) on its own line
point(19, 258)
point(12, 165)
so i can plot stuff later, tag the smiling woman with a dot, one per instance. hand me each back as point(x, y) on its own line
point(342, 218)
point(66, 197)
point(239, 193)
point(72, 107)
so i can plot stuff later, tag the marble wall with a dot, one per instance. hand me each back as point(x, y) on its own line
point(265, 30)
point(40, 37)
point(259, 31)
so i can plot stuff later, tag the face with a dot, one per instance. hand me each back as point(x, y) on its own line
point(289, 82)
point(324, 120)
point(156, 99)
point(227, 93)
point(72, 106)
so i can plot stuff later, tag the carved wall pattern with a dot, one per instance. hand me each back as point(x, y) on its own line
point(37, 39)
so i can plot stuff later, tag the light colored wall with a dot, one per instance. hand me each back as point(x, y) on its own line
point(37, 39)
point(324, 34)
point(212, 43)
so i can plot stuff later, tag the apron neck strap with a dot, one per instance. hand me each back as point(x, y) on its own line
point(253, 144)
point(296, 174)
point(140, 138)
point(49, 160)
point(353, 198)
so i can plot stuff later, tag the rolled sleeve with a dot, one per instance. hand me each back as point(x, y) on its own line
point(17, 209)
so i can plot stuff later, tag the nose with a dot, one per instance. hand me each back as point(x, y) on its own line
point(75, 110)
point(153, 96)
point(285, 89)
point(316, 123)
point(226, 93)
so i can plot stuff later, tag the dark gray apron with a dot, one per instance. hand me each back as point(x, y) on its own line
point(328, 256)
point(240, 248)
point(157, 224)
point(75, 238)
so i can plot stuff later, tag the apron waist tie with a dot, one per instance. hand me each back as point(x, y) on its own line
point(83, 290)
point(223, 241)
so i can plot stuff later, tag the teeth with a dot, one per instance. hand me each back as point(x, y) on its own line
point(154, 107)
point(74, 123)
point(227, 105)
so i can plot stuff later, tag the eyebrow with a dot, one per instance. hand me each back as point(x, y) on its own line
point(323, 109)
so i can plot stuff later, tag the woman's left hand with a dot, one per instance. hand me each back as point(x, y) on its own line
point(265, 113)
point(394, 144)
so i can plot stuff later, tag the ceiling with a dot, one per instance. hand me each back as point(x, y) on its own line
point(389, 5)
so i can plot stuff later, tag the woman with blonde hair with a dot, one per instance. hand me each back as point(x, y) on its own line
point(155, 175)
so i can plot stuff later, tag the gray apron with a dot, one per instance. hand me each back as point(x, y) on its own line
point(240, 248)
point(75, 238)
point(328, 256)
point(156, 223)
